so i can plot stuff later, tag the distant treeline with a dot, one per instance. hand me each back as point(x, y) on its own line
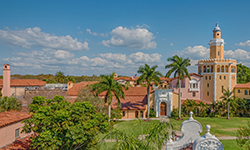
point(50, 78)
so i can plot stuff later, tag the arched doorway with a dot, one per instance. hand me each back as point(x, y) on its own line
point(163, 109)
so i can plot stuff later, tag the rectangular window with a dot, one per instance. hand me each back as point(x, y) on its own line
point(209, 77)
point(222, 88)
point(245, 92)
point(238, 91)
point(206, 77)
point(225, 77)
point(249, 92)
point(194, 93)
point(220, 77)
point(17, 133)
point(207, 93)
point(208, 85)
point(141, 112)
point(123, 113)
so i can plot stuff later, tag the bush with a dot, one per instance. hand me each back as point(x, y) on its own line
point(174, 113)
point(152, 113)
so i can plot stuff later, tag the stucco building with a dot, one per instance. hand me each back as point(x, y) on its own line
point(218, 73)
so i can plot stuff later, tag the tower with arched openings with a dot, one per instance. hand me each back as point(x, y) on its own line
point(218, 73)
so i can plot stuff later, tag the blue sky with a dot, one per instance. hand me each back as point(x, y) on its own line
point(99, 37)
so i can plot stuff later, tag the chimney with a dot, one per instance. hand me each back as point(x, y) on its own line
point(69, 85)
point(6, 80)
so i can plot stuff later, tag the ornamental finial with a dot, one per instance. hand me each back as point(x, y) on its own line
point(191, 116)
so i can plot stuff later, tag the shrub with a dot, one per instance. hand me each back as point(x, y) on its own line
point(174, 113)
point(152, 113)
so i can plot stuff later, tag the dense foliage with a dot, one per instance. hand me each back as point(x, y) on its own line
point(243, 137)
point(86, 95)
point(58, 124)
point(243, 74)
point(50, 78)
point(149, 75)
point(237, 107)
point(178, 67)
point(10, 103)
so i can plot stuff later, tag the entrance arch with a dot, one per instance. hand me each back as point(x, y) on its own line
point(163, 109)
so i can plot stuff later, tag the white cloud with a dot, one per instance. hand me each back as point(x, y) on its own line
point(61, 54)
point(247, 43)
point(89, 31)
point(171, 44)
point(196, 52)
point(34, 37)
point(131, 38)
point(51, 61)
point(142, 57)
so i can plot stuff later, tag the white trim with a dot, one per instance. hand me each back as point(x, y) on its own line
point(215, 74)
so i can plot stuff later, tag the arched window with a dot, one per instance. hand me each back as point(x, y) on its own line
point(193, 85)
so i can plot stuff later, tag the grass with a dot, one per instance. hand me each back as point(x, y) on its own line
point(219, 126)
point(230, 144)
point(133, 127)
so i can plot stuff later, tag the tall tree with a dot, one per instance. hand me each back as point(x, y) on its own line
point(227, 98)
point(243, 74)
point(58, 124)
point(10, 103)
point(111, 87)
point(60, 77)
point(149, 75)
point(178, 67)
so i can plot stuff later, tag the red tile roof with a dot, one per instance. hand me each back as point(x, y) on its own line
point(191, 74)
point(132, 103)
point(9, 117)
point(21, 144)
point(76, 87)
point(126, 78)
point(132, 91)
point(243, 86)
point(24, 82)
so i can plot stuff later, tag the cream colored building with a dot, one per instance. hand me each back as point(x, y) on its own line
point(218, 73)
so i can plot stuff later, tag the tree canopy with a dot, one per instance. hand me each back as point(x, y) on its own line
point(10, 103)
point(58, 124)
point(243, 74)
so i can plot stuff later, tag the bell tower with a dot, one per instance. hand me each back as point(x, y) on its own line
point(217, 44)
point(217, 73)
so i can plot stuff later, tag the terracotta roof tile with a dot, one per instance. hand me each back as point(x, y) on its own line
point(10, 117)
point(133, 91)
point(21, 144)
point(243, 86)
point(132, 103)
point(126, 78)
point(76, 87)
point(24, 82)
point(191, 74)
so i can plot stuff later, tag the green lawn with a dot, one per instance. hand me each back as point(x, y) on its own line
point(219, 126)
point(133, 127)
point(230, 144)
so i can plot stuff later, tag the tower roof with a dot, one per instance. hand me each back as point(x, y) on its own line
point(217, 28)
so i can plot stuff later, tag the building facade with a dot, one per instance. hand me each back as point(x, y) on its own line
point(218, 73)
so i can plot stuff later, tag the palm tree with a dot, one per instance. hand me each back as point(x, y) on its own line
point(178, 67)
point(60, 77)
point(227, 99)
point(127, 85)
point(149, 75)
point(112, 87)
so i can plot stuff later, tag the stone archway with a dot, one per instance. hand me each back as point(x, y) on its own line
point(163, 109)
